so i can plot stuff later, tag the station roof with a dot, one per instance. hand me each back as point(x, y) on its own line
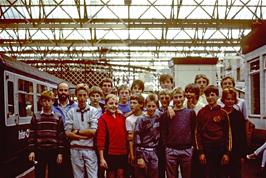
point(133, 32)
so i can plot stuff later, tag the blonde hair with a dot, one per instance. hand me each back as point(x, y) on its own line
point(111, 96)
point(82, 86)
point(47, 95)
point(95, 89)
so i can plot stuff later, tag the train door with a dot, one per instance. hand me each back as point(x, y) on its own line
point(19, 103)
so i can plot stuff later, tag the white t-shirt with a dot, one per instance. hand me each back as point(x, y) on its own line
point(131, 122)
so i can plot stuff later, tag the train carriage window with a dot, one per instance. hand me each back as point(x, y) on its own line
point(10, 91)
point(25, 98)
point(41, 88)
point(255, 87)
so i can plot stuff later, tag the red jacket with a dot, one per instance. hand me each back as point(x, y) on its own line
point(117, 134)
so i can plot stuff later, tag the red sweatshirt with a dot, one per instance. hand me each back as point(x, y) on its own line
point(117, 134)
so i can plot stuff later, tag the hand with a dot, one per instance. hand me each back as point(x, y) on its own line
point(141, 163)
point(202, 159)
point(225, 159)
point(103, 164)
point(32, 156)
point(171, 112)
point(59, 159)
point(131, 159)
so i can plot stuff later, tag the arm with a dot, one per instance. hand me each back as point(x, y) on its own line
point(198, 141)
point(228, 134)
point(103, 163)
point(32, 136)
point(61, 136)
point(90, 132)
point(70, 132)
point(131, 147)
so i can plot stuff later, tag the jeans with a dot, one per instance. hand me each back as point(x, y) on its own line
point(82, 159)
point(174, 158)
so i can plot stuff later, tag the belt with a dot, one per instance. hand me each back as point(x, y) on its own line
point(82, 147)
point(148, 148)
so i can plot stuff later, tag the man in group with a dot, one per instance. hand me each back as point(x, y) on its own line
point(62, 106)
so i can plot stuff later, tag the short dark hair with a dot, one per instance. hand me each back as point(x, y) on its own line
point(107, 80)
point(193, 88)
point(211, 88)
point(164, 77)
point(140, 83)
point(152, 97)
point(137, 97)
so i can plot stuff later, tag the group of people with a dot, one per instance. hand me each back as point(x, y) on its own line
point(116, 132)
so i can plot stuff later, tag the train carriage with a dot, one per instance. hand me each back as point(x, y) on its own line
point(21, 86)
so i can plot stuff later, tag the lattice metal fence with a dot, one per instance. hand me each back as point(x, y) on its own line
point(92, 73)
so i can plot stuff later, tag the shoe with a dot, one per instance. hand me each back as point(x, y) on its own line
point(251, 156)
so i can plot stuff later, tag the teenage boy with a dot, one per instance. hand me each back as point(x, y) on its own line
point(166, 81)
point(165, 96)
point(124, 104)
point(202, 81)
point(95, 95)
point(137, 87)
point(46, 140)
point(106, 86)
point(136, 105)
point(178, 136)
point(80, 126)
point(147, 134)
point(192, 93)
point(213, 136)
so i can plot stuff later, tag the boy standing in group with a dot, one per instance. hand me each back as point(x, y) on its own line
point(178, 136)
point(166, 81)
point(136, 104)
point(46, 141)
point(124, 105)
point(213, 136)
point(147, 134)
point(81, 124)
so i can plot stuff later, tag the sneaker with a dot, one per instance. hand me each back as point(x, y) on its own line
point(251, 156)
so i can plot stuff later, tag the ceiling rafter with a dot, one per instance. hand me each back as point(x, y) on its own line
point(81, 30)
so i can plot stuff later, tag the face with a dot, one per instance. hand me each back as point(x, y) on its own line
point(202, 83)
point(82, 97)
point(135, 106)
point(191, 99)
point(136, 90)
point(112, 105)
point(95, 98)
point(165, 100)
point(151, 108)
point(178, 100)
point(47, 104)
point(212, 99)
point(124, 96)
point(63, 92)
point(229, 101)
point(167, 84)
point(227, 83)
point(107, 88)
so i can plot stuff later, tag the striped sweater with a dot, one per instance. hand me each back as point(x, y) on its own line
point(47, 133)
